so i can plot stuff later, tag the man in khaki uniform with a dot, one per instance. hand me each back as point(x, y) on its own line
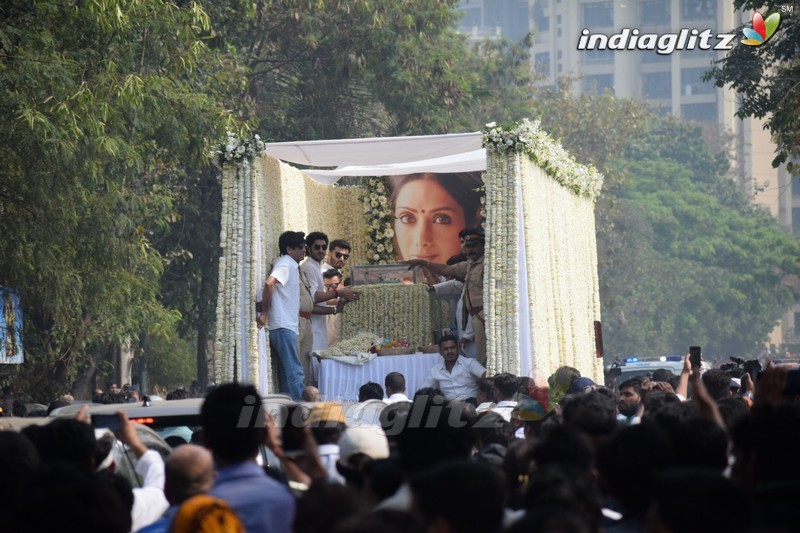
point(305, 338)
point(471, 272)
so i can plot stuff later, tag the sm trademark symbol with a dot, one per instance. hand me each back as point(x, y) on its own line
point(787, 9)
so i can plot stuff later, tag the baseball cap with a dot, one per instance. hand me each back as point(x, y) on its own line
point(580, 384)
point(366, 439)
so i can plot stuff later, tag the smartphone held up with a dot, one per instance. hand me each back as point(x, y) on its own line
point(695, 356)
point(110, 422)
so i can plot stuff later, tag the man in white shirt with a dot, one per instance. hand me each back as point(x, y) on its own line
point(149, 501)
point(317, 243)
point(505, 390)
point(281, 306)
point(395, 386)
point(456, 377)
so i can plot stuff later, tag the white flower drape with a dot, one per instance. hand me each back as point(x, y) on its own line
point(261, 198)
point(563, 301)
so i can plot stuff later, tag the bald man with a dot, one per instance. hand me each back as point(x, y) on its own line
point(310, 394)
point(189, 471)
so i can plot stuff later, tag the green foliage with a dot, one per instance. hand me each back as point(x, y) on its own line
point(323, 70)
point(767, 79)
point(683, 256)
point(109, 213)
point(594, 128)
point(101, 113)
point(170, 361)
point(708, 274)
point(502, 82)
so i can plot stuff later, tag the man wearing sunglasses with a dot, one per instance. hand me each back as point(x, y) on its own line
point(338, 254)
point(317, 243)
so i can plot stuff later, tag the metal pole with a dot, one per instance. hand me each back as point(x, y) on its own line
point(143, 364)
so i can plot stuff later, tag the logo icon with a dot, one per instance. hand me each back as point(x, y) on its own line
point(762, 29)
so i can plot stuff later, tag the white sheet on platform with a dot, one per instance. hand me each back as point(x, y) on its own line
point(340, 382)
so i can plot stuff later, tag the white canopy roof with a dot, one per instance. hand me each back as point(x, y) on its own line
point(384, 156)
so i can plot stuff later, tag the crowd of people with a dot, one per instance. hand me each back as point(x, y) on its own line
point(465, 453)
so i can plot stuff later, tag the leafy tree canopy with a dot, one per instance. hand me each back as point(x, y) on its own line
point(108, 208)
point(332, 69)
point(103, 106)
point(767, 79)
point(684, 258)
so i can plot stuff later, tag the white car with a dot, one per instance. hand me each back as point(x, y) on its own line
point(645, 366)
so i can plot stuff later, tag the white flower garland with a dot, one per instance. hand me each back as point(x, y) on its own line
point(252, 279)
point(527, 137)
point(501, 265)
point(396, 311)
point(379, 222)
point(558, 198)
point(236, 150)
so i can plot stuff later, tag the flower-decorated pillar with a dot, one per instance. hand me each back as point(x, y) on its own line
point(541, 289)
point(261, 198)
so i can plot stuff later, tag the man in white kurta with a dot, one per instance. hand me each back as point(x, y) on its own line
point(317, 243)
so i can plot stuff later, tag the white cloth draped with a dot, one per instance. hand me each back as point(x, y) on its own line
point(340, 382)
point(374, 150)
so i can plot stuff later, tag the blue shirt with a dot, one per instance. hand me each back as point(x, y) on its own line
point(262, 504)
point(162, 524)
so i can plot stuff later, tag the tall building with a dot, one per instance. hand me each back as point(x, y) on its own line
point(670, 83)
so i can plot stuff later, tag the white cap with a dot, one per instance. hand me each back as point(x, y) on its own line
point(100, 433)
point(367, 439)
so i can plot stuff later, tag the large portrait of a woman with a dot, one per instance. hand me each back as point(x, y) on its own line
point(430, 209)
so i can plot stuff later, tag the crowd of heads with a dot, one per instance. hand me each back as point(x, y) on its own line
point(570, 456)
